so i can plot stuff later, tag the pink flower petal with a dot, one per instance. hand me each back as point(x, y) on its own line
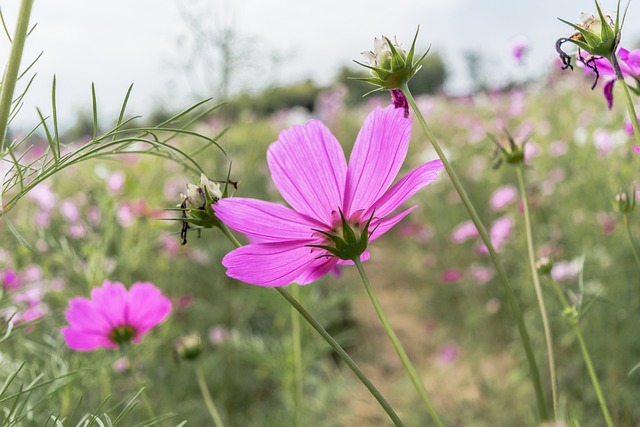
point(309, 168)
point(147, 307)
point(377, 156)
point(265, 221)
point(608, 93)
point(111, 301)
point(85, 341)
point(316, 270)
point(82, 315)
point(270, 264)
point(405, 188)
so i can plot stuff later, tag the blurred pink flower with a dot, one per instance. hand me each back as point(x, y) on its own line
point(218, 334)
point(43, 195)
point(628, 126)
point(449, 352)
point(115, 182)
point(603, 142)
point(421, 232)
point(114, 316)
point(451, 276)
point(125, 215)
point(500, 231)
point(636, 149)
point(563, 271)
point(309, 169)
point(464, 232)
point(481, 274)
point(69, 210)
point(502, 197)
point(519, 46)
point(31, 313)
point(77, 231)
point(558, 148)
point(10, 279)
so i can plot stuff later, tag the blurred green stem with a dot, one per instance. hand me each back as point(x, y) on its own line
point(573, 317)
point(513, 302)
point(206, 396)
point(140, 385)
point(13, 67)
point(408, 366)
point(297, 359)
point(630, 238)
point(331, 341)
point(627, 97)
point(536, 284)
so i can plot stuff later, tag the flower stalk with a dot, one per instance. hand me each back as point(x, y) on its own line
point(536, 284)
point(627, 97)
point(206, 396)
point(573, 317)
point(13, 67)
point(331, 341)
point(630, 238)
point(404, 358)
point(513, 303)
point(297, 360)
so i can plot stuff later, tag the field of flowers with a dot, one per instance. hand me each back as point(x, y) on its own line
point(119, 291)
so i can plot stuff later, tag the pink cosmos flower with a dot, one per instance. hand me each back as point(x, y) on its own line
point(309, 169)
point(463, 232)
point(502, 197)
point(519, 46)
point(114, 316)
point(629, 65)
point(9, 279)
point(500, 231)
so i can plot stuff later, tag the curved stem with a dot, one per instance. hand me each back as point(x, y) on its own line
point(536, 284)
point(332, 342)
point(206, 396)
point(573, 318)
point(297, 360)
point(630, 238)
point(513, 303)
point(408, 366)
point(13, 68)
point(627, 97)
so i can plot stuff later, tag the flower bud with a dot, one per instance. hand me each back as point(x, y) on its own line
point(624, 202)
point(598, 35)
point(188, 347)
point(544, 265)
point(391, 66)
point(508, 151)
point(347, 241)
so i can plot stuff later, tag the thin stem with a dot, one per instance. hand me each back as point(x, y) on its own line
point(206, 396)
point(627, 97)
point(13, 68)
point(332, 342)
point(513, 303)
point(536, 284)
point(411, 370)
point(343, 355)
point(573, 317)
point(143, 390)
point(297, 359)
point(630, 238)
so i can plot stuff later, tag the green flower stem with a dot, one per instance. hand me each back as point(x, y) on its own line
point(536, 284)
point(332, 342)
point(13, 67)
point(143, 390)
point(513, 303)
point(630, 238)
point(573, 318)
point(413, 374)
point(627, 97)
point(206, 396)
point(297, 359)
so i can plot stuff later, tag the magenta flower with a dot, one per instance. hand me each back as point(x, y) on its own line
point(309, 169)
point(519, 46)
point(502, 197)
point(629, 65)
point(9, 279)
point(114, 316)
point(463, 232)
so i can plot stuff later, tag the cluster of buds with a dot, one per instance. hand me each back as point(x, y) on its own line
point(598, 35)
point(624, 202)
point(507, 150)
point(196, 204)
point(391, 66)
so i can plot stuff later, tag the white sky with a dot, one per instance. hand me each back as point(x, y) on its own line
point(118, 42)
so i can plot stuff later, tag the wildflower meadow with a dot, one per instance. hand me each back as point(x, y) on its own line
point(371, 252)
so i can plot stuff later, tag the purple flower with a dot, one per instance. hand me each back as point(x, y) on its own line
point(114, 316)
point(9, 279)
point(309, 169)
point(463, 232)
point(629, 65)
point(519, 46)
point(502, 197)
point(500, 231)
